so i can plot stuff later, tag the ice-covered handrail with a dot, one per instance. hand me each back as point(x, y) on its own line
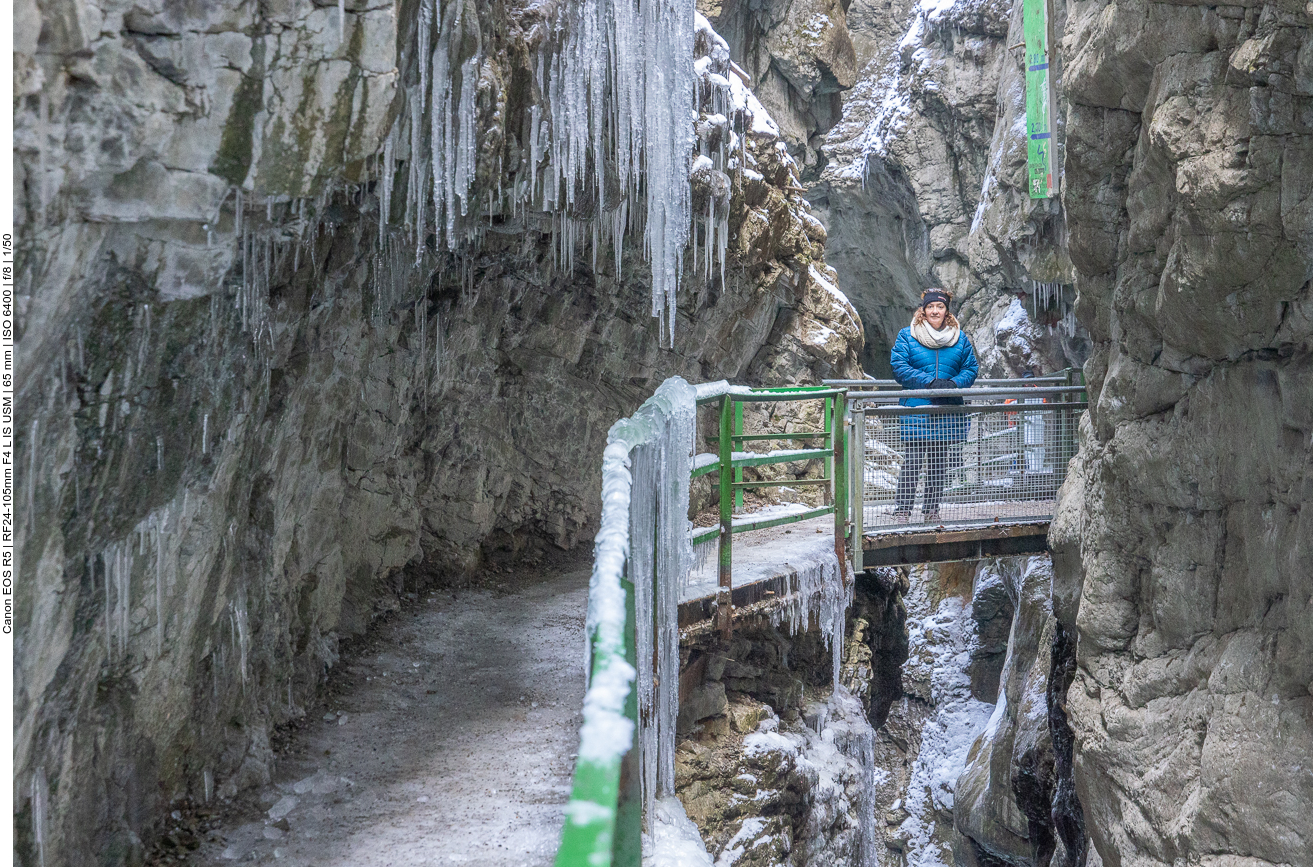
point(719, 388)
point(642, 555)
point(644, 535)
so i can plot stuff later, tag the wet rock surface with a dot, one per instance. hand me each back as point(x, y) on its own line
point(972, 755)
point(777, 769)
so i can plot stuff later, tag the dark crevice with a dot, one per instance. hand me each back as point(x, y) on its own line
point(1065, 813)
point(879, 601)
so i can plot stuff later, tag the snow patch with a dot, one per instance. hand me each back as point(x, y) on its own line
point(674, 841)
point(939, 639)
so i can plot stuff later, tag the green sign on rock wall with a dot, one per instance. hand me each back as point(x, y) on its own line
point(1039, 102)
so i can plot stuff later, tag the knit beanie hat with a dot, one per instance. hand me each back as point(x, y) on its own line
point(932, 295)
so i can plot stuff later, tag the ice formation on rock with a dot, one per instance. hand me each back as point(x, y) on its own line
point(821, 593)
point(940, 634)
point(674, 841)
point(613, 100)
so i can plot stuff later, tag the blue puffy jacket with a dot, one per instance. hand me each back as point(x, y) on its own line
point(916, 366)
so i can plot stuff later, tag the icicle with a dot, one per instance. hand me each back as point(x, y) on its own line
point(159, 453)
point(241, 631)
point(437, 349)
point(205, 434)
point(159, 585)
point(31, 471)
point(341, 21)
point(109, 617)
point(386, 180)
point(43, 126)
point(40, 814)
point(414, 188)
point(123, 582)
point(440, 120)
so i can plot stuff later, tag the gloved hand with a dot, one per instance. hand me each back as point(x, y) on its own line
point(945, 401)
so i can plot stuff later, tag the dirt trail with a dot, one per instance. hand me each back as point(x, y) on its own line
point(451, 741)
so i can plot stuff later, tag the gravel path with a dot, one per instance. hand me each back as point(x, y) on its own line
point(451, 740)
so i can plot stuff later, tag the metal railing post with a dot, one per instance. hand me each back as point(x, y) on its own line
point(839, 474)
point(627, 844)
point(857, 493)
point(832, 428)
point(738, 471)
point(725, 595)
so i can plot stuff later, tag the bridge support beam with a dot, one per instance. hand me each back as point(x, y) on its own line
point(973, 543)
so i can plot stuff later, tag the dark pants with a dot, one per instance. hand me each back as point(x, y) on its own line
point(934, 455)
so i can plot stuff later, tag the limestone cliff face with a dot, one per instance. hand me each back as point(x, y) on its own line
point(917, 168)
point(1184, 540)
point(250, 420)
point(772, 766)
point(799, 58)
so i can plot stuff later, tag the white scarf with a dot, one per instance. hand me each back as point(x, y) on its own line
point(932, 339)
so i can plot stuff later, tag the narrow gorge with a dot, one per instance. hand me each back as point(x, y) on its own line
point(324, 307)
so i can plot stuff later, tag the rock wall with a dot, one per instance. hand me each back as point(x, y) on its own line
point(798, 57)
point(946, 741)
point(1013, 802)
point(773, 765)
point(917, 168)
point(1183, 543)
point(251, 419)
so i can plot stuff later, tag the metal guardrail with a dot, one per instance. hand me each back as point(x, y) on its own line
point(728, 464)
point(627, 741)
point(628, 727)
point(998, 458)
point(860, 384)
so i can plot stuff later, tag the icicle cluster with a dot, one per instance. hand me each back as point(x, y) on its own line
point(728, 114)
point(820, 592)
point(1045, 296)
point(40, 813)
point(609, 126)
point(608, 149)
point(150, 553)
point(854, 738)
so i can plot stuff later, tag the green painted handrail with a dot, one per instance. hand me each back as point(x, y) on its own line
point(731, 484)
point(603, 819)
point(603, 823)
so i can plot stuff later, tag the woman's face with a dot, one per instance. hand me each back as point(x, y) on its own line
point(935, 312)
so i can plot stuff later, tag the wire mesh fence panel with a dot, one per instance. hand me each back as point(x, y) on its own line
point(985, 462)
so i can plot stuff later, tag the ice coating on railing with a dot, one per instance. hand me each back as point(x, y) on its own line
point(718, 388)
point(644, 536)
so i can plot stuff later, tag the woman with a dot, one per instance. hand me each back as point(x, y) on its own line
point(931, 353)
